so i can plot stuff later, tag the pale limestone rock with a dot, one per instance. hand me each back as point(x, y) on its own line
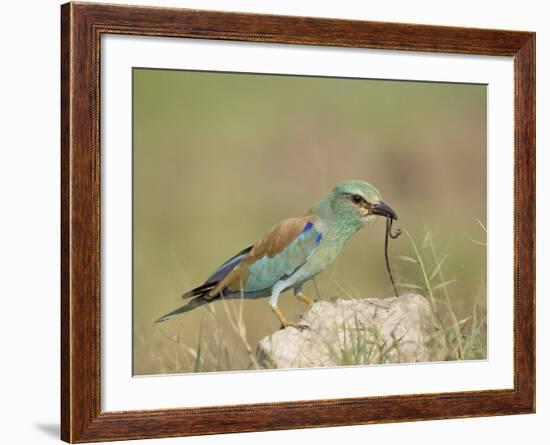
point(358, 331)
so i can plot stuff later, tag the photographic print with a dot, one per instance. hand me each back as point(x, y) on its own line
point(287, 221)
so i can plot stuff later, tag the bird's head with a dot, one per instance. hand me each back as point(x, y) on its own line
point(357, 203)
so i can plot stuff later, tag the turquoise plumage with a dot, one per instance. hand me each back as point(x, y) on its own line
point(294, 251)
point(266, 271)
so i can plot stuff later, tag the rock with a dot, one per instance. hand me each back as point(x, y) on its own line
point(357, 332)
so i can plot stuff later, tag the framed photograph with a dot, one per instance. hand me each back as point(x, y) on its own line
point(274, 222)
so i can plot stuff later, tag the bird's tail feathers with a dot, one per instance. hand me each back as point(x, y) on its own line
point(194, 303)
point(200, 291)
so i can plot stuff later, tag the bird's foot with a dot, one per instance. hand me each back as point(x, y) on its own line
point(284, 323)
point(299, 326)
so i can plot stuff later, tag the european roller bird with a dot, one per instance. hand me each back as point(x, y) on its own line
point(294, 251)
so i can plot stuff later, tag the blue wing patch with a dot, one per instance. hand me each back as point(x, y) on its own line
point(308, 227)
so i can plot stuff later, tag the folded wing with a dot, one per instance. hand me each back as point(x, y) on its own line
point(284, 249)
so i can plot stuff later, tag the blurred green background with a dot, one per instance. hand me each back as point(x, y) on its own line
point(219, 158)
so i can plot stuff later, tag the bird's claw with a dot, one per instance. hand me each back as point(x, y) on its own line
point(299, 326)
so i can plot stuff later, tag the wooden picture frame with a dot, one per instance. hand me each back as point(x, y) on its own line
point(82, 26)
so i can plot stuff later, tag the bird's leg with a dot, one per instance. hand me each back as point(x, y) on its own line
point(303, 297)
point(281, 317)
point(284, 322)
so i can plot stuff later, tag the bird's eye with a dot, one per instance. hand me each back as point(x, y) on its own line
point(356, 199)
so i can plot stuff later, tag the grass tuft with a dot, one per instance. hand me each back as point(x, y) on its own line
point(466, 338)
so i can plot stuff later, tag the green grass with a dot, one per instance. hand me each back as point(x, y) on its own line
point(362, 348)
point(466, 337)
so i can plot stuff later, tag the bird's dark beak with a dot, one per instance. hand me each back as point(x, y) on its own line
point(383, 209)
